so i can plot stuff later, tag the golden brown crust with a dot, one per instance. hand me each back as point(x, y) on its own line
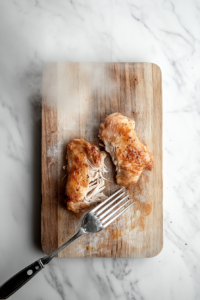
point(79, 152)
point(76, 206)
point(129, 155)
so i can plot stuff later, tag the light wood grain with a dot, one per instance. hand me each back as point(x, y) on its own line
point(76, 98)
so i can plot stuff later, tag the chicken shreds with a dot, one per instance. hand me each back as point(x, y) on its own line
point(85, 165)
point(129, 155)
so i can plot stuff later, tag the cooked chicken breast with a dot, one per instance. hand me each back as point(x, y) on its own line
point(85, 166)
point(129, 155)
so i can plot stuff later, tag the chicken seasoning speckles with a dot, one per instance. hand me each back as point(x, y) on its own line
point(128, 154)
point(85, 183)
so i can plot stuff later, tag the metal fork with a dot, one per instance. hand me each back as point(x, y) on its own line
point(94, 221)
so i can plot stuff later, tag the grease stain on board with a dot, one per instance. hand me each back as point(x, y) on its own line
point(117, 233)
point(142, 210)
point(89, 248)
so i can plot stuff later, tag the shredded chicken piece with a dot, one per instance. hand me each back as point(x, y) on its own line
point(129, 155)
point(85, 183)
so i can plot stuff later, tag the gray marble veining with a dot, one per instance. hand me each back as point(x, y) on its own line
point(35, 32)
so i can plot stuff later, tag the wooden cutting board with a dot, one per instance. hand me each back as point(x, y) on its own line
point(76, 98)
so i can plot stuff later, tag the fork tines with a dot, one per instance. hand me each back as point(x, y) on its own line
point(106, 211)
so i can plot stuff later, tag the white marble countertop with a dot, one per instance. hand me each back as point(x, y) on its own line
point(35, 32)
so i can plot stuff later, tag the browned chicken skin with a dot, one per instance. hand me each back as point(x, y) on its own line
point(85, 165)
point(129, 155)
